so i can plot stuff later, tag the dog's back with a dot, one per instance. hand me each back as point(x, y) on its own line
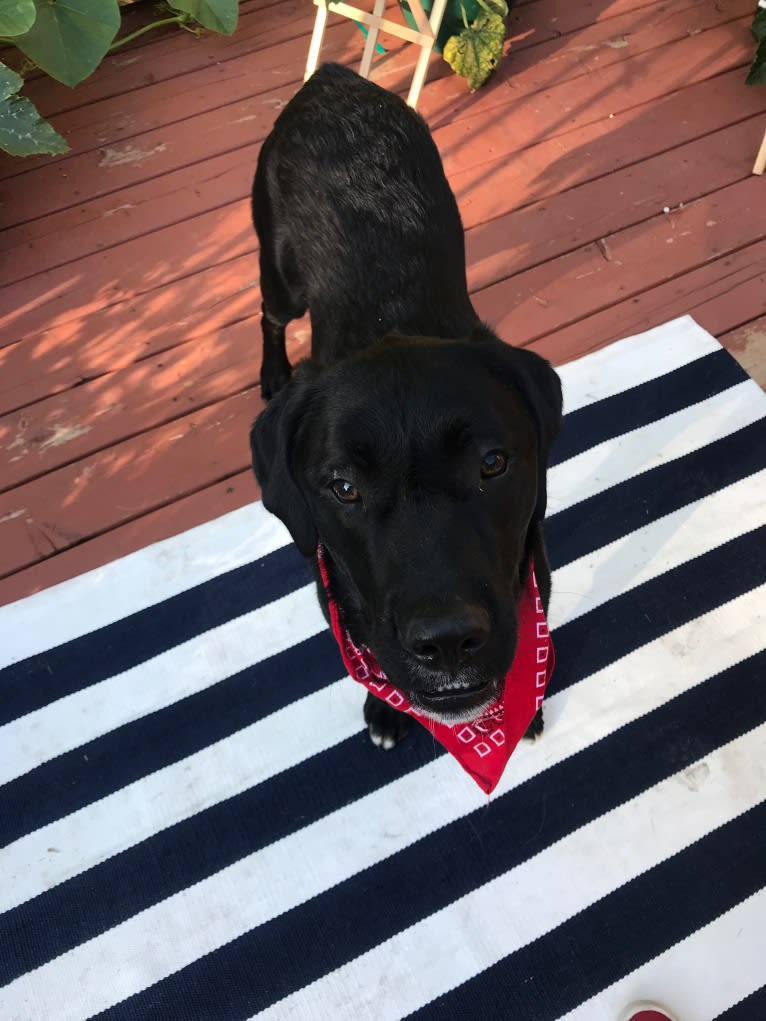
point(356, 217)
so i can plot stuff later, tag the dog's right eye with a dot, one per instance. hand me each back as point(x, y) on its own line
point(494, 464)
point(344, 491)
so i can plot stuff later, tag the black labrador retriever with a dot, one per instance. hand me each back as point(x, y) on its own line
point(413, 443)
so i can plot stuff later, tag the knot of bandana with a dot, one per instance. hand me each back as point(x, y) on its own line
point(483, 746)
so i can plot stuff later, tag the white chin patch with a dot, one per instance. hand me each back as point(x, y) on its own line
point(459, 716)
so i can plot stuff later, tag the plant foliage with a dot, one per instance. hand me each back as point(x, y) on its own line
point(757, 75)
point(476, 51)
point(217, 15)
point(16, 16)
point(68, 39)
point(22, 129)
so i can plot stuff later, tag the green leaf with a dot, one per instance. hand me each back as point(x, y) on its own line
point(217, 15)
point(10, 82)
point(758, 28)
point(476, 51)
point(494, 7)
point(16, 16)
point(70, 37)
point(757, 75)
point(23, 132)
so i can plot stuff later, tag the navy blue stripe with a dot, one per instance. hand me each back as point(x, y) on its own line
point(648, 402)
point(751, 1008)
point(46, 676)
point(587, 953)
point(610, 515)
point(605, 634)
point(114, 760)
point(305, 943)
point(591, 641)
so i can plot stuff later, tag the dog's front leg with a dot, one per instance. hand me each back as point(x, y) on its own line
point(275, 365)
point(386, 726)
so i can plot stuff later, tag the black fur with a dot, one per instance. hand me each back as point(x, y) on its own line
point(404, 396)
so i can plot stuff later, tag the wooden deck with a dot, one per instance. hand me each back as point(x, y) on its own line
point(129, 344)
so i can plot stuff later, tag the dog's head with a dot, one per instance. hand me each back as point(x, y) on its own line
point(420, 466)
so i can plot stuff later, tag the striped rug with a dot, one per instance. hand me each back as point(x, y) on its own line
point(195, 826)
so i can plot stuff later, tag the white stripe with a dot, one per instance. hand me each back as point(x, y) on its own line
point(635, 360)
point(656, 548)
point(700, 977)
point(658, 443)
point(160, 940)
point(183, 670)
point(438, 954)
point(107, 594)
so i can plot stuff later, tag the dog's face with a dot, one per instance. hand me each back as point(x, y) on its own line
point(417, 464)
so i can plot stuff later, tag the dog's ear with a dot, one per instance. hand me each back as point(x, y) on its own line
point(273, 439)
point(540, 387)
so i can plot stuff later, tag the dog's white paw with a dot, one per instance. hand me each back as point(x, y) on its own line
point(385, 725)
point(383, 738)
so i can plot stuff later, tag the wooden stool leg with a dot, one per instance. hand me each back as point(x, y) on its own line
point(421, 68)
point(372, 37)
point(316, 40)
point(760, 160)
point(419, 76)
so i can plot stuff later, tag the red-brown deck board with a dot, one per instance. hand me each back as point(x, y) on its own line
point(129, 336)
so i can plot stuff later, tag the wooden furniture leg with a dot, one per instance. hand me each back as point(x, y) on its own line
point(316, 40)
point(760, 160)
point(372, 37)
point(424, 35)
point(421, 68)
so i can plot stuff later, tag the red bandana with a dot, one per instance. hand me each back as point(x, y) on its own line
point(483, 746)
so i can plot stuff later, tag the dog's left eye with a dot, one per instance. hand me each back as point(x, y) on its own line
point(345, 491)
point(494, 463)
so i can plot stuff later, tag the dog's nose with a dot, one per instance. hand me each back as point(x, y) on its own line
point(448, 642)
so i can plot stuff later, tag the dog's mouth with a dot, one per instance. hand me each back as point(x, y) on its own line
point(455, 700)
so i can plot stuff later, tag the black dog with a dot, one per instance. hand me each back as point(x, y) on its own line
point(413, 443)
